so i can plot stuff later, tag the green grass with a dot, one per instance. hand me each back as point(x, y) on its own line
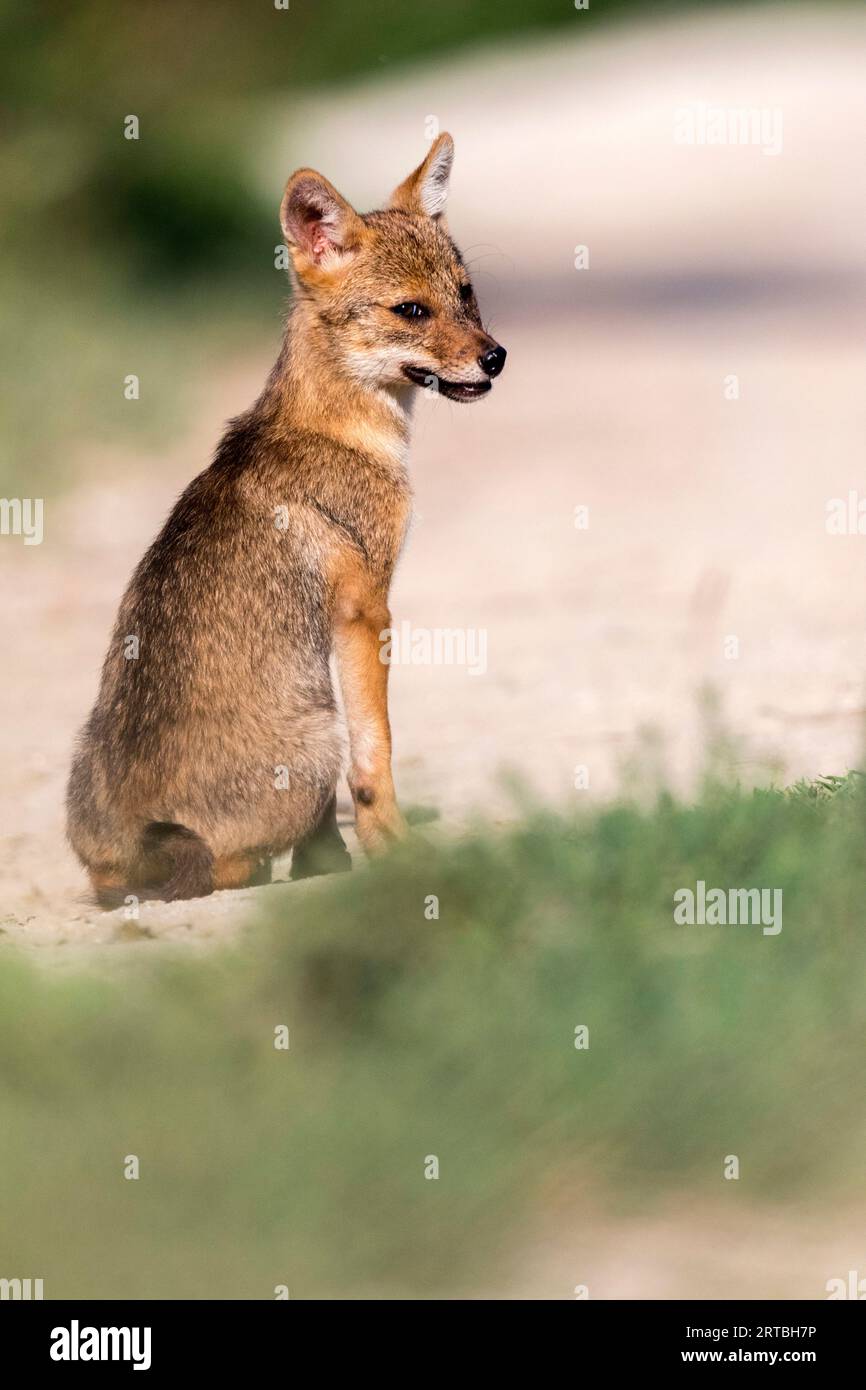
point(452, 1037)
point(66, 352)
point(827, 787)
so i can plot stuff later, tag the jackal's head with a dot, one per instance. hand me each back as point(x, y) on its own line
point(389, 289)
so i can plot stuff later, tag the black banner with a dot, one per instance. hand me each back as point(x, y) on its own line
point(151, 1338)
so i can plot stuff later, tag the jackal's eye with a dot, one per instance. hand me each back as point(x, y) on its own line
point(410, 310)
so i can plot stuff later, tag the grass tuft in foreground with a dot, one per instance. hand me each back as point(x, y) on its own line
point(413, 1036)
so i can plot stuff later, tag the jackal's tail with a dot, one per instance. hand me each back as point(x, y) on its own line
point(186, 856)
point(175, 863)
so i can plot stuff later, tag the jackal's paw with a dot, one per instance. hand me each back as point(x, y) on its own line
point(378, 821)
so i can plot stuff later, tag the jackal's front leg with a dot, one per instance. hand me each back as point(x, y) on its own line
point(364, 683)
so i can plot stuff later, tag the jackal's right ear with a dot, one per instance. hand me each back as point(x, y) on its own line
point(320, 227)
point(426, 188)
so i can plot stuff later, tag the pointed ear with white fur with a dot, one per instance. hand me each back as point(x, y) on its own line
point(426, 189)
point(320, 227)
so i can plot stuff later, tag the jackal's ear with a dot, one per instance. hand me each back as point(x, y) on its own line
point(318, 224)
point(426, 190)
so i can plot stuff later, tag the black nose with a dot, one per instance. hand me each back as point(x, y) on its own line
point(493, 361)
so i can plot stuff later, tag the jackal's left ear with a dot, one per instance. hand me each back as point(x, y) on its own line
point(318, 224)
point(426, 190)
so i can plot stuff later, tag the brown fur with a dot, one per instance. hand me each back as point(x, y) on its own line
point(280, 552)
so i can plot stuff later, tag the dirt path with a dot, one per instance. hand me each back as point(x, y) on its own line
point(701, 1249)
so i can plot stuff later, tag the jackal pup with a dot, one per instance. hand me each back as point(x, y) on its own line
point(214, 743)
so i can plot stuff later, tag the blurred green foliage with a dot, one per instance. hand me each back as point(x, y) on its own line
point(451, 1037)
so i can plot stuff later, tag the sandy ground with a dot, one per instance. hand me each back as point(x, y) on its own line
point(729, 1250)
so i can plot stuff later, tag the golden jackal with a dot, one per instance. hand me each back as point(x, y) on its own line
point(214, 745)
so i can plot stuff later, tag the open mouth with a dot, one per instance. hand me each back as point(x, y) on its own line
point(451, 390)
